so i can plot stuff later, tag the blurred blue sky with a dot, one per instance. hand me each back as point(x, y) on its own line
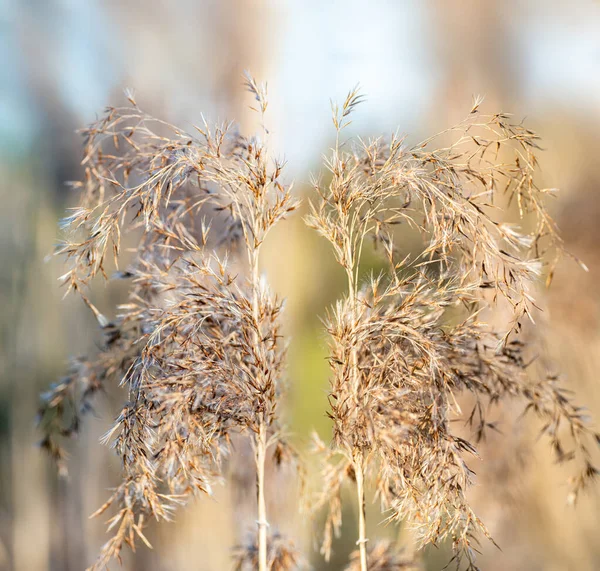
point(78, 54)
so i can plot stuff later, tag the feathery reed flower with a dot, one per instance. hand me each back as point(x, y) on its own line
point(198, 346)
point(407, 343)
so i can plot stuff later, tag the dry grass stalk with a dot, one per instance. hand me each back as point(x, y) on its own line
point(406, 344)
point(198, 346)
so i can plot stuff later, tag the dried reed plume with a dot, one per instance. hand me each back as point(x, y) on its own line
point(405, 345)
point(281, 556)
point(197, 347)
point(382, 556)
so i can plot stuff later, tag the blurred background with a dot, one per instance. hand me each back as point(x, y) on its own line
point(419, 63)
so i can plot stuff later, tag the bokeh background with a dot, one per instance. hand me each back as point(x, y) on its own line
point(419, 62)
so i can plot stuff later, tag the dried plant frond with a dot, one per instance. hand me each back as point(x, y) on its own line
point(62, 408)
point(383, 556)
point(65, 404)
point(259, 91)
point(198, 346)
point(336, 470)
point(407, 344)
point(282, 555)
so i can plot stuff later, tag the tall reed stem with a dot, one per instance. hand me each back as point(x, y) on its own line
point(358, 456)
point(362, 524)
point(261, 449)
point(260, 440)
